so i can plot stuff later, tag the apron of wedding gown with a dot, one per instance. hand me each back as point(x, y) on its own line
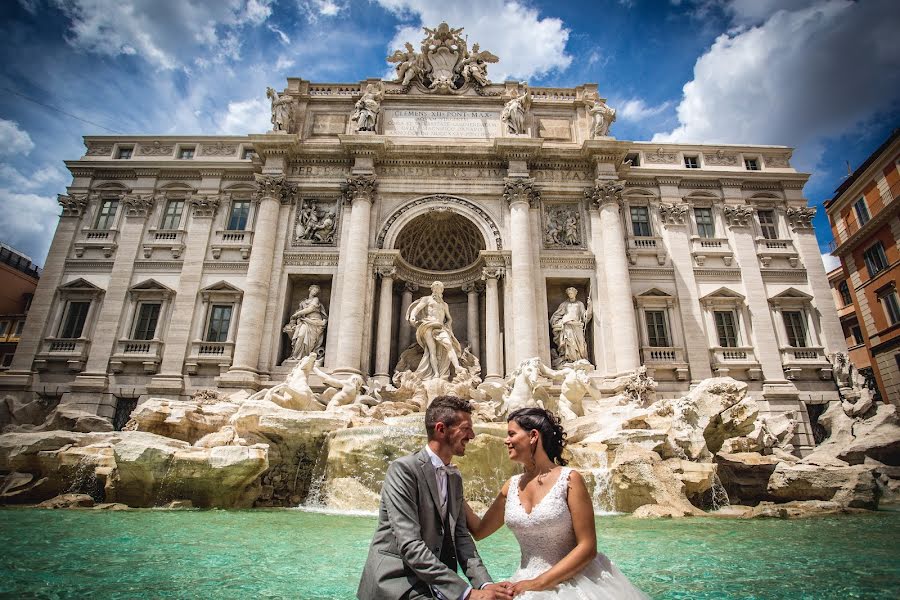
point(546, 536)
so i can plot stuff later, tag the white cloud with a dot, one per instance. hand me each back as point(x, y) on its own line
point(281, 35)
point(636, 109)
point(246, 116)
point(28, 221)
point(528, 45)
point(831, 262)
point(321, 8)
point(283, 63)
point(163, 32)
point(13, 139)
point(44, 176)
point(801, 77)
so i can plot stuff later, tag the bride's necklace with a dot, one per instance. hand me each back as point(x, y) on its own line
point(539, 477)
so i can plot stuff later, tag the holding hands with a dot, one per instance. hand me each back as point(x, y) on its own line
point(493, 591)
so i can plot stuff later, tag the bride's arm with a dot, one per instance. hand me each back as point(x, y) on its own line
point(493, 518)
point(585, 541)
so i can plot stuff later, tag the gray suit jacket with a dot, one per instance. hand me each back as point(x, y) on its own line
point(404, 555)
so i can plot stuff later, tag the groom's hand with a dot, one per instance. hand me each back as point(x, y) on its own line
point(493, 591)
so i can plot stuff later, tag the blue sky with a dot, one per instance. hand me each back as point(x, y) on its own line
point(822, 76)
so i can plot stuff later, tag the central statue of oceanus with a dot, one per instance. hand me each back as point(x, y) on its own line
point(431, 318)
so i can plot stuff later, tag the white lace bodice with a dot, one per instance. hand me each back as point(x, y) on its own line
point(546, 535)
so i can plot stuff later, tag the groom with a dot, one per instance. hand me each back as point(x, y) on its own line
point(422, 537)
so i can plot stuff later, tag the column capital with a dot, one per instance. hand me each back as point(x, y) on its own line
point(801, 218)
point(137, 205)
point(521, 189)
point(72, 205)
point(605, 192)
point(409, 286)
point(472, 287)
point(386, 272)
point(274, 186)
point(360, 187)
point(738, 216)
point(673, 214)
point(205, 205)
point(492, 273)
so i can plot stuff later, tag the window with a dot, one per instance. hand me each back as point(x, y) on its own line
point(862, 211)
point(186, 152)
point(844, 289)
point(767, 224)
point(145, 325)
point(248, 154)
point(657, 332)
point(751, 164)
point(107, 215)
point(875, 259)
point(857, 335)
point(633, 158)
point(692, 162)
point(795, 327)
point(640, 220)
point(73, 322)
point(705, 226)
point(19, 327)
point(172, 216)
point(891, 306)
point(4, 328)
point(6, 360)
point(124, 152)
point(240, 210)
point(725, 329)
point(219, 321)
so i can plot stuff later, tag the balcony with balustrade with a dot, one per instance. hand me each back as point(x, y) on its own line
point(232, 241)
point(797, 359)
point(767, 250)
point(210, 354)
point(645, 245)
point(705, 248)
point(741, 358)
point(665, 358)
point(71, 351)
point(166, 240)
point(147, 354)
point(103, 241)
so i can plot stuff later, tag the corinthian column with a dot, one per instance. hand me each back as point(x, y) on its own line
point(383, 339)
point(521, 194)
point(607, 197)
point(492, 352)
point(405, 330)
point(472, 326)
point(271, 191)
point(360, 190)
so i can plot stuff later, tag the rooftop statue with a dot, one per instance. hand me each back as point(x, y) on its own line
point(602, 118)
point(282, 110)
point(445, 64)
point(368, 107)
point(513, 114)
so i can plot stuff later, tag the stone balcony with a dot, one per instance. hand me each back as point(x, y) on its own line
point(103, 240)
point(147, 353)
point(704, 248)
point(795, 360)
point(72, 351)
point(164, 239)
point(665, 358)
point(649, 245)
point(767, 250)
point(743, 358)
point(217, 354)
point(241, 241)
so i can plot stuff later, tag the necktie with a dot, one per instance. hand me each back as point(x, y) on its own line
point(441, 473)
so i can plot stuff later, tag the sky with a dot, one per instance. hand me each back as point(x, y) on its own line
point(821, 76)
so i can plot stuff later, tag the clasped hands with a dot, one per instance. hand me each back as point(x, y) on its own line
point(503, 590)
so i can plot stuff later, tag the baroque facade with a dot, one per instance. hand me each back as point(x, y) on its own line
point(179, 262)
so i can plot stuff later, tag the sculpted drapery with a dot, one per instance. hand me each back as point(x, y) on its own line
point(307, 327)
point(434, 333)
point(568, 324)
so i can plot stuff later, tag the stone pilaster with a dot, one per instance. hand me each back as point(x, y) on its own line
point(385, 320)
point(360, 191)
point(272, 190)
point(521, 193)
point(473, 327)
point(492, 348)
point(607, 197)
point(405, 330)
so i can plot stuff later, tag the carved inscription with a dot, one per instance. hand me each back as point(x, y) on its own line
point(319, 170)
point(329, 124)
point(442, 123)
point(416, 172)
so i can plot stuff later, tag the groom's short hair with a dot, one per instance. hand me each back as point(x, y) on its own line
point(443, 409)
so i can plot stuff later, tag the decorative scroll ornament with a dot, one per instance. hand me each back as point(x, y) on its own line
point(661, 157)
point(521, 189)
point(360, 187)
point(720, 159)
point(738, 216)
point(218, 149)
point(386, 271)
point(608, 191)
point(74, 205)
point(801, 218)
point(673, 214)
point(445, 64)
point(274, 186)
point(95, 149)
point(492, 273)
point(776, 161)
point(138, 206)
point(205, 205)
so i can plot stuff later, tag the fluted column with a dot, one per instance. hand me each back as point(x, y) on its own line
point(473, 328)
point(492, 351)
point(360, 190)
point(271, 191)
point(385, 318)
point(405, 331)
point(521, 194)
point(607, 196)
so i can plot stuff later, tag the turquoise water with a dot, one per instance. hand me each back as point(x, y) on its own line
point(297, 554)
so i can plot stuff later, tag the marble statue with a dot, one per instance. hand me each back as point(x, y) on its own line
point(430, 316)
point(640, 387)
point(562, 228)
point(307, 327)
point(602, 118)
point(368, 107)
point(575, 386)
point(474, 66)
point(315, 224)
point(295, 392)
point(282, 106)
point(513, 114)
point(526, 386)
point(568, 323)
point(410, 65)
point(343, 392)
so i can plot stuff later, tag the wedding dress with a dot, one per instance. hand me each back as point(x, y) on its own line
point(546, 536)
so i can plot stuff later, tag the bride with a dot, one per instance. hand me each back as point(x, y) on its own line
point(549, 510)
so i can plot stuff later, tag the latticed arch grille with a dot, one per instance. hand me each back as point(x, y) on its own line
point(440, 240)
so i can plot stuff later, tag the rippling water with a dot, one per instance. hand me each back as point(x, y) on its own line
point(310, 555)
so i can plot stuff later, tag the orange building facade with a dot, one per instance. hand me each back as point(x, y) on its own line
point(18, 280)
point(865, 221)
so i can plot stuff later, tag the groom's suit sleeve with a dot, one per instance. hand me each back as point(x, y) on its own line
point(467, 554)
point(400, 499)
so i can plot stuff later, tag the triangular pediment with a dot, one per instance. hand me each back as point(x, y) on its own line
point(222, 286)
point(654, 293)
point(80, 285)
point(723, 293)
point(151, 285)
point(792, 294)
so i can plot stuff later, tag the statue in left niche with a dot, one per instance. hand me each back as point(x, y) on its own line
point(307, 327)
point(368, 107)
point(568, 324)
point(282, 111)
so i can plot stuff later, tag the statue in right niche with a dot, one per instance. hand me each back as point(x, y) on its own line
point(568, 325)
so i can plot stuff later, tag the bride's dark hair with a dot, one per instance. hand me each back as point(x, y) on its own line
point(548, 425)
